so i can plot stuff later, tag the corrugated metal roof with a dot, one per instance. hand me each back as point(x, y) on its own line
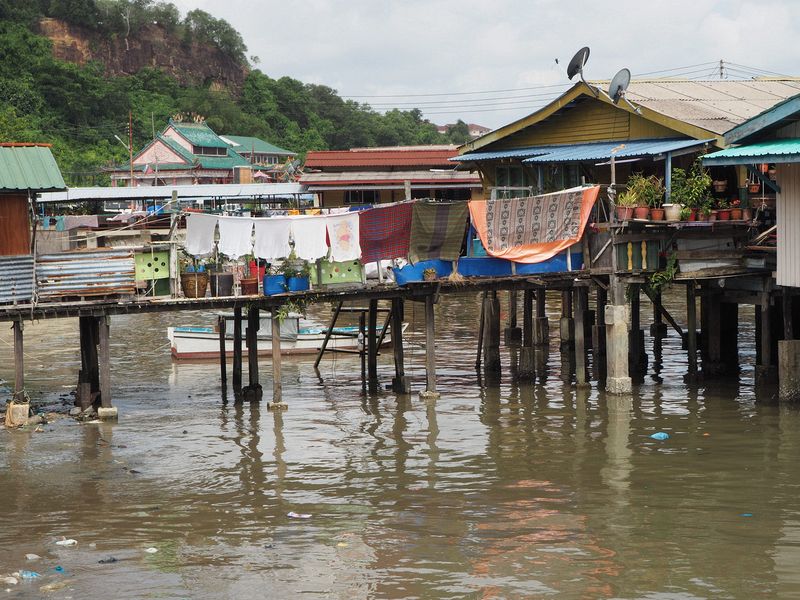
point(29, 167)
point(778, 150)
point(586, 152)
point(92, 273)
point(16, 278)
point(382, 177)
point(246, 145)
point(396, 157)
point(199, 134)
point(716, 106)
point(602, 150)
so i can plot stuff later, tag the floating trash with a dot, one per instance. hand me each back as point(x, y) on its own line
point(746, 515)
point(10, 580)
point(107, 561)
point(66, 542)
point(52, 587)
point(151, 550)
point(28, 574)
point(58, 569)
point(32, 557)
point(660, 435)
point(294, 515)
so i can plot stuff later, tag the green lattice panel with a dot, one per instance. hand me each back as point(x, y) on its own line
point(152, 265)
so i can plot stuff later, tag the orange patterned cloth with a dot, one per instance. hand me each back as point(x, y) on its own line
point(535, 228)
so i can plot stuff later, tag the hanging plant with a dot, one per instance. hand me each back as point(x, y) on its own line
point(659, 279)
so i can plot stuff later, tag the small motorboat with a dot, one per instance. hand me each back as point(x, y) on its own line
point(202, 343)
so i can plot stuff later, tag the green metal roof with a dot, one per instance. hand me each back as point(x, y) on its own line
point(199, 134)
point(222, 162)
point(770, 151)
point(176, 147)
point(249, 144)
point(29, 168)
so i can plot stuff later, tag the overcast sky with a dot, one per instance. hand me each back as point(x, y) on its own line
point(417, 48)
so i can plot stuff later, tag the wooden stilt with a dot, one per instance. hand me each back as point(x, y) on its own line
point(277, 402)
point(512, 333)
point(729, 337)
point(712, 351)
point(765, 370)
point(335, 316)
point(481, 325)
point(541, 330)
point(237, 349)
point(691, 327)
point(566, 324)
point(599, 336)
point(638, 356)
point(527, 357)
point(430, 392)
point(400, 383)
point(19, 363)
point(491, 335)
point(372, 345)
point(581, 302)
point(104, 358)
point(253, 390)
point(658, 327)
point(362, 338)
point(788, 325)
point(89, 375)
point(223, 367)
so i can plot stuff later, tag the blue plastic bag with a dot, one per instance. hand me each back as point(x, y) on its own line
point(660, 435)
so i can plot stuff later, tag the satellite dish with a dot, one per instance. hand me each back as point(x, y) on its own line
point(575, 66)
point(620, 83)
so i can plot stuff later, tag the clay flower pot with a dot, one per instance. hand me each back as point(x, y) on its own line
point(624, 213)
point(657, 214)
point(736, 214)
point(194, 284)
point(723, 214)
point(249, 286)
point(641, 212)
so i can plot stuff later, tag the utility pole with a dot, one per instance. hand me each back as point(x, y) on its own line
point(721, 69)
point(130, 143)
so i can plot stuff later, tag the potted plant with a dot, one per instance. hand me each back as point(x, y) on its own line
point(685, 213)
point(297, 278)
point(704, 212)
point(723, 210)
point(653, 192)
point(625, 204)
point(692, 188)
point(429, 274)
point(194, 277)
point(736, 210)
point(274, 280)
point(638, 193)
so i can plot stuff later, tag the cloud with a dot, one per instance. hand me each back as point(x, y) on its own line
point(381, 47)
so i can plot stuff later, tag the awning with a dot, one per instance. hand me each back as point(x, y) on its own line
point(28, 167)
point(770, 151)
point(592, 151)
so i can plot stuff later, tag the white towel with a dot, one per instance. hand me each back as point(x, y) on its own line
point(235, 236)
point(272, 238)
point(343, 235)
point(200, 233)
point(309, 237)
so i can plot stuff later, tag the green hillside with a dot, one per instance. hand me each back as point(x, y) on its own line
point(80, 108)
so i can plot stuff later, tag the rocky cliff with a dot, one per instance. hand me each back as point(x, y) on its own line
point(190, 63)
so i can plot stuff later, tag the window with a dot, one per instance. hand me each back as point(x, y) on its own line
point(208, 151)
point(362, 197)
point(513, 176)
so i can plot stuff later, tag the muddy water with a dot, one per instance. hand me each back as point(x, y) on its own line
point(504, 491)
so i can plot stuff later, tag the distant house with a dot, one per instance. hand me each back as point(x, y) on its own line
point(374, 175)
point(475, 130)
point(186, 153)
point(257, 151)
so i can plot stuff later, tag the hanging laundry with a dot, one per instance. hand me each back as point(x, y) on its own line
point(535, 228)
point(272, 238)
point(309, 237)
point(343, 235)
point(235, 236)
point(437, 230)
point(384, 231)
point(75, 221)
point(200, 233)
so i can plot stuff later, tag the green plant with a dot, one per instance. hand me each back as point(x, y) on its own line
point(292, 306)
point(296, 268)
point(723, 203)
point(275, 269)
point(686, 212)
point(659, 279)
point(627, 200)
point(645, 190)
point(692, 188)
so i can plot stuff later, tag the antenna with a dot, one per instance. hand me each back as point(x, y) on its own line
point(576, 65)
point(619, 84)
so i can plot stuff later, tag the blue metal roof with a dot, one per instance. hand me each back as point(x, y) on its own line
point(587, 152)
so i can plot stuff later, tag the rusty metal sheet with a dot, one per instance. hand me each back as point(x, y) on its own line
point(16, 279)
point(85, 273)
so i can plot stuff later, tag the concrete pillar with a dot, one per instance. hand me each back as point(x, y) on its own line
point(617, 318)
point(106, 411)
point(430, 392)
point(19, 363)
point(277, 402)
point(789, 370)
point(766, 372)
point(581, 301)
point(567, 323)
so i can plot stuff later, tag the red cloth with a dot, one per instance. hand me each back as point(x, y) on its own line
point(384, 231)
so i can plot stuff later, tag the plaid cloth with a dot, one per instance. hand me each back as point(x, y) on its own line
point(437, 230)
point(384, 231)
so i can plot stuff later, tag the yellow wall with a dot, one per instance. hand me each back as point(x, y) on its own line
point(589, 120)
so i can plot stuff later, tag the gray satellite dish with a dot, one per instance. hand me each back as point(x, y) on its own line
point(617, 87)
point(620, 83)
point(576, 64)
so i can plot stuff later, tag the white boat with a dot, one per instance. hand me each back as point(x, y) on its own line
point(202, 343)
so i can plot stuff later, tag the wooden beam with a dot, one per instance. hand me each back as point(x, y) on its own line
point(372, 344)
point(277, 402)
point(237, 348)
point(400, 383)
point(19, 362)
point(430, 350)
point(223, 367)
point(337, 309)
point(691, 326)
